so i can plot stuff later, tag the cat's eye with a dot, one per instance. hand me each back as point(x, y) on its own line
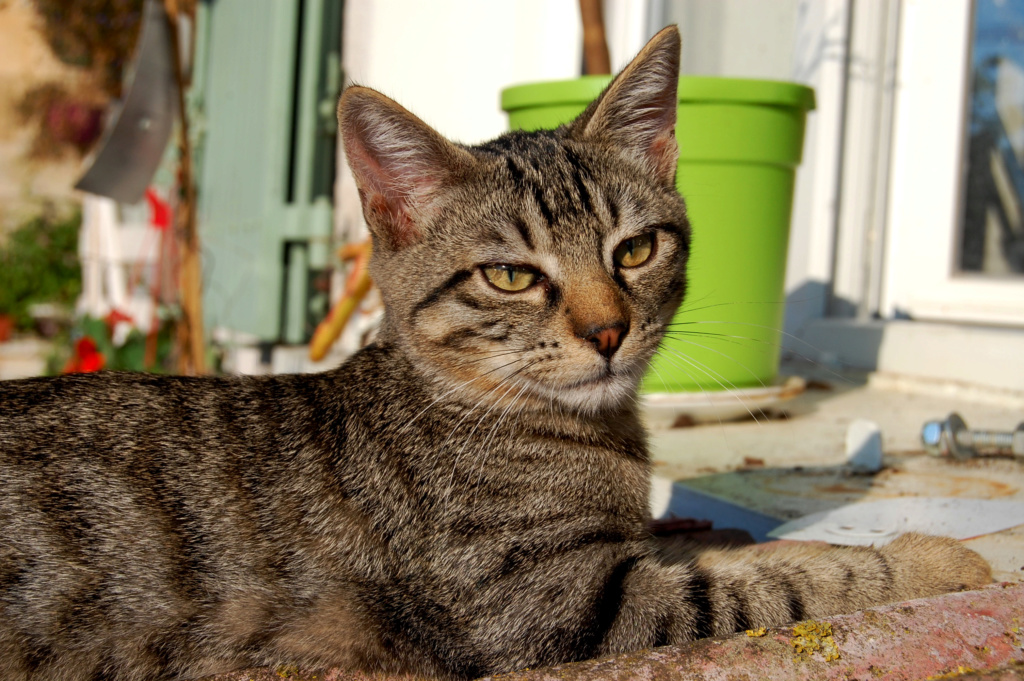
point(634, 251)
point(510, 277)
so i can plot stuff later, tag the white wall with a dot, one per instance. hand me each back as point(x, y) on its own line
point(447, 60)
point(735, 38)
point(818, 61)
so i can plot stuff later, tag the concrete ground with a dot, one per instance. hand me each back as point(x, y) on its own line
point(794, 466)
point(23, 357)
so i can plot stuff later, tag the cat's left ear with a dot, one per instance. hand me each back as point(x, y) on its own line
point(637, 111)
point(400, 164)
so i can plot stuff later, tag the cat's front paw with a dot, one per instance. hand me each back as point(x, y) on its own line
point(924, 565)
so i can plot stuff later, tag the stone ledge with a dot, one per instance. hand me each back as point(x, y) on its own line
point(969, 635)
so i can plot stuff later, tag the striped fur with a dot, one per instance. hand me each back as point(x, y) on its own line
point(466, 496)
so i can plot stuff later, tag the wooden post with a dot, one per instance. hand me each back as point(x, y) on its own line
point(192, 352)
point(595, 45)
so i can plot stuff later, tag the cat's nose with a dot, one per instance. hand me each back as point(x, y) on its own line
point(606, 340)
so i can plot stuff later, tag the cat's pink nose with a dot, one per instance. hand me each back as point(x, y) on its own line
point(607, 340)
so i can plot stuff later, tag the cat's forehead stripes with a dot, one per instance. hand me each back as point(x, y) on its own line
point(544, 166)
point(524, 232)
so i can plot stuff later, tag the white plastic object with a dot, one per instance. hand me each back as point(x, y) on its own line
point(879, 522)
point(864, 446)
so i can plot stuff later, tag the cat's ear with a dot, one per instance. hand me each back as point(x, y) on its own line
point(399, 162)
point(637, 111)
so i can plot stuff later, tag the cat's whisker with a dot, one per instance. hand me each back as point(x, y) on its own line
point(468, 439)
point(730, 387)
point(688, 375)
point(455, 389)
point(635, 374)
point(443, 395)
point(721, 354)
point(711, 403)
point(497, 354)
point(730, 390)
point(684, 309)
point(763, 341)
point(658, 374)
point(469, 411)
point(469, 436)
point(724, 337)
point(455, 461)
point(484, 447)
point(706, 394)
point(773, 329)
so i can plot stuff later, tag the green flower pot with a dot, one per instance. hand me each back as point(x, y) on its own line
point(740, 142)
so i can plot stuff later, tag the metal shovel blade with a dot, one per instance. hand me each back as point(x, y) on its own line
point(137, 132)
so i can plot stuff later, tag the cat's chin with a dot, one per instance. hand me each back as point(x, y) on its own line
point(592, 396)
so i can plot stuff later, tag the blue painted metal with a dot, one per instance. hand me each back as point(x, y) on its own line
point(689, 503)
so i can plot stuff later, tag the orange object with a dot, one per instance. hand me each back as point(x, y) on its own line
point(595, 44)
point(357, 285)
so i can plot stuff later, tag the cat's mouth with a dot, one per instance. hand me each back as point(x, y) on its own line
point(599, 390)
point(604, 379)
point(606, 375)
point(593, 379)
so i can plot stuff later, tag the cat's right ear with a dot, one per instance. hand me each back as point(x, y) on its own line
point(637, 111)
point(399, 162)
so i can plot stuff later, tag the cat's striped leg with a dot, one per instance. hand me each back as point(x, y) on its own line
point(721, 592)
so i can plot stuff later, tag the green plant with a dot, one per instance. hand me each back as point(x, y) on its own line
point(39, 264)
point(131, 355)
point(68, 355)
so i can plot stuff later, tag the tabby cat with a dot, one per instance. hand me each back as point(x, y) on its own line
point(468, 495)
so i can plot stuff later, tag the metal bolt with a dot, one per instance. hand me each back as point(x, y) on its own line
point(952, 438)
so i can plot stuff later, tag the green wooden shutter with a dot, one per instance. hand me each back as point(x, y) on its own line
point(267, 78)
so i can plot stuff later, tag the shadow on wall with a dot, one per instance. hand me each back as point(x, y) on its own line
point(859, 346)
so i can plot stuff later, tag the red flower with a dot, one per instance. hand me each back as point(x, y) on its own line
point(114, 317)
point(159, 210)
point(85, 358)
